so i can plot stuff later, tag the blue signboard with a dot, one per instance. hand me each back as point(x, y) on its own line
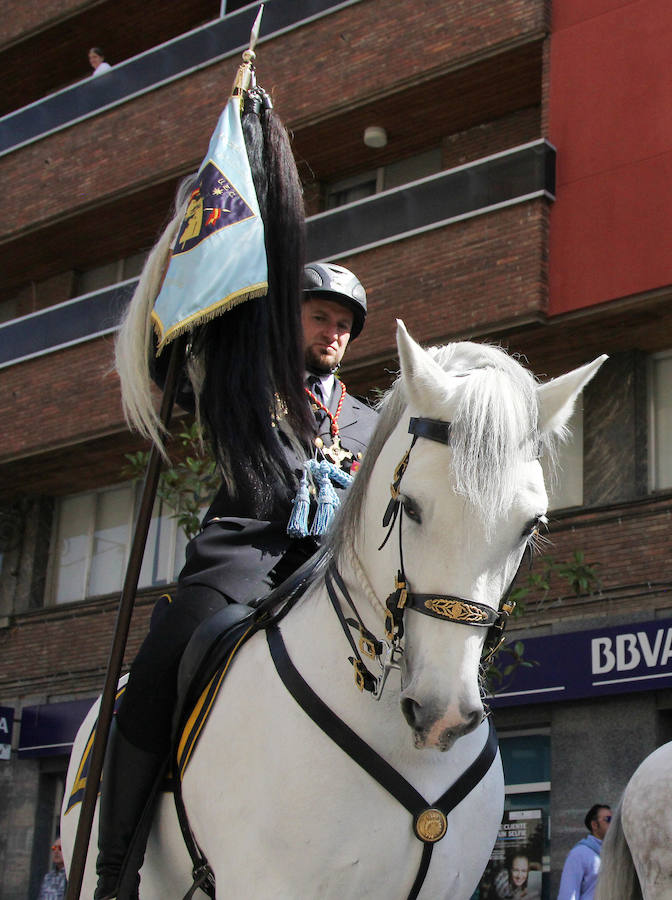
point(6, 723)
point(611, 660)
point(50, 729)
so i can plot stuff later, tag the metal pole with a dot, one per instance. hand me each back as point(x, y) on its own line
point(124, 612)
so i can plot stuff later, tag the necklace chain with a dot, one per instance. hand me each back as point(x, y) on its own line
point(333, 417)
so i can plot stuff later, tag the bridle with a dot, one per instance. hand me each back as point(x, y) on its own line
point(446, 607)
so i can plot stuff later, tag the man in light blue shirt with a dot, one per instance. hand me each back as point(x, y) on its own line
point(582, 866)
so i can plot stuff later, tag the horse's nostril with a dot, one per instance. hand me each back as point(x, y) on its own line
point(410, 709)
point(472, 720)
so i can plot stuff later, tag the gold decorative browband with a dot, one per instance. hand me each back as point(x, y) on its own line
point(452, 609)
point(460, 610)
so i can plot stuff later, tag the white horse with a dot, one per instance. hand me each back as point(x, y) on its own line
point(278, 808)
point(636, 859)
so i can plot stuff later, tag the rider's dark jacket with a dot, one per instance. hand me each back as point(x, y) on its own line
point(234, 558)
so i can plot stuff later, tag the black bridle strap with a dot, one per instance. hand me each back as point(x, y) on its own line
point(431, 429)
point(364, 679)
point(332, 572)
point(380, 770)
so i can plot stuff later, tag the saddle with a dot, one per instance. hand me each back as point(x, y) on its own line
point(215, 641)
point(208, 650)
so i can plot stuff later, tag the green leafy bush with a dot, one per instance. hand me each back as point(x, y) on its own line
point(186, 485)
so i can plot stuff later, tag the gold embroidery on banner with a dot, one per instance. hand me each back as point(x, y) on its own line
point(457, 610)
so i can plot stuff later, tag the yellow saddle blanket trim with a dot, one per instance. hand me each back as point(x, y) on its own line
point(199, 716)
point(188, 739)
point(79, 784)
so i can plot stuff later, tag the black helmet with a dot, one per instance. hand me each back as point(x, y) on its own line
point(340, 285)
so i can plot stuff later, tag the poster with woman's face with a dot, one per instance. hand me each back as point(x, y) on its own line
point(515, 868)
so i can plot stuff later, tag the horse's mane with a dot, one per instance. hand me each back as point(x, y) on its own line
point(494, 420)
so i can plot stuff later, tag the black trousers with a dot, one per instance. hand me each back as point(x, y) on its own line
point(229, 561)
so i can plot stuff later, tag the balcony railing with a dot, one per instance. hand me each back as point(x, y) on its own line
point(512, 177)
point(223, 38)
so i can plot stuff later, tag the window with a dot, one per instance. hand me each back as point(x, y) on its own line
point(660, 421)
point(8, 309)
point(565, 488)
point(100, 277)
point(92, 538)
point(348, 190)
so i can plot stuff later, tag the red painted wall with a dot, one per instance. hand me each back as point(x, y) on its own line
point(610, 118)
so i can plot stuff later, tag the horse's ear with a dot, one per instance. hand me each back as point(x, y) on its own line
point(425, 382)
point(557, 397)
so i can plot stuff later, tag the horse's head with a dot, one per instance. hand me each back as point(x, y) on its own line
point(470, 501)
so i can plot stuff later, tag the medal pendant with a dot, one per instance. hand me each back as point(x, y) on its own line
point(336, 453)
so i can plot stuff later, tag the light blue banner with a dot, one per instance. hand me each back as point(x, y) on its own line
point(219, 258)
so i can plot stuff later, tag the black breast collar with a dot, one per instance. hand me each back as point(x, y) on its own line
point(430, 820)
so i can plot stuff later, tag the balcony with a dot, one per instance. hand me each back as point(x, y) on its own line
point(224, 38)
point(490, 184)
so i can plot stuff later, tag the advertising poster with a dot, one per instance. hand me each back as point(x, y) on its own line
point(515, 867)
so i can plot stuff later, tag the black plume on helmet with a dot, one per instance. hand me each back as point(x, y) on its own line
point(332, 282)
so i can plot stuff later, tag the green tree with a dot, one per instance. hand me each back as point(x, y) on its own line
point(188, 483)
point(575, 577)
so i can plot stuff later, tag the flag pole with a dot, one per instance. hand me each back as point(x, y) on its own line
point(122, 626)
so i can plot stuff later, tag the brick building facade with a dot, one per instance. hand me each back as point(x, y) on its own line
point(521, 197)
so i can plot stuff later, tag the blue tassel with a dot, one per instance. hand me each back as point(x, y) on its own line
point(336, 474)
point(297, 526)
point(327, 501)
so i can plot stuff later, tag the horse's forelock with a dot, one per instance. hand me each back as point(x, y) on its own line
point(494, 424)
point(493, 428)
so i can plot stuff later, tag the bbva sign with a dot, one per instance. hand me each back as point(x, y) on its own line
point(628, 650)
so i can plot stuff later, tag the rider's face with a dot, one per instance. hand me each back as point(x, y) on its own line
point(57, 854)
point(326, 332)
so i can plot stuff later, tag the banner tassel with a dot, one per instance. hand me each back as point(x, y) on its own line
point(298, 521)
point(327, 501)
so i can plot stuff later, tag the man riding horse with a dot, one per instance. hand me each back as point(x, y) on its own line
point(258, 371)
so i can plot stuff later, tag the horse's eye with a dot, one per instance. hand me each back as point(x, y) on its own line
point(411, 509)
point(533, 527)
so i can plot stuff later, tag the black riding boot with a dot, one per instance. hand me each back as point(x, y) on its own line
point(128, 776)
